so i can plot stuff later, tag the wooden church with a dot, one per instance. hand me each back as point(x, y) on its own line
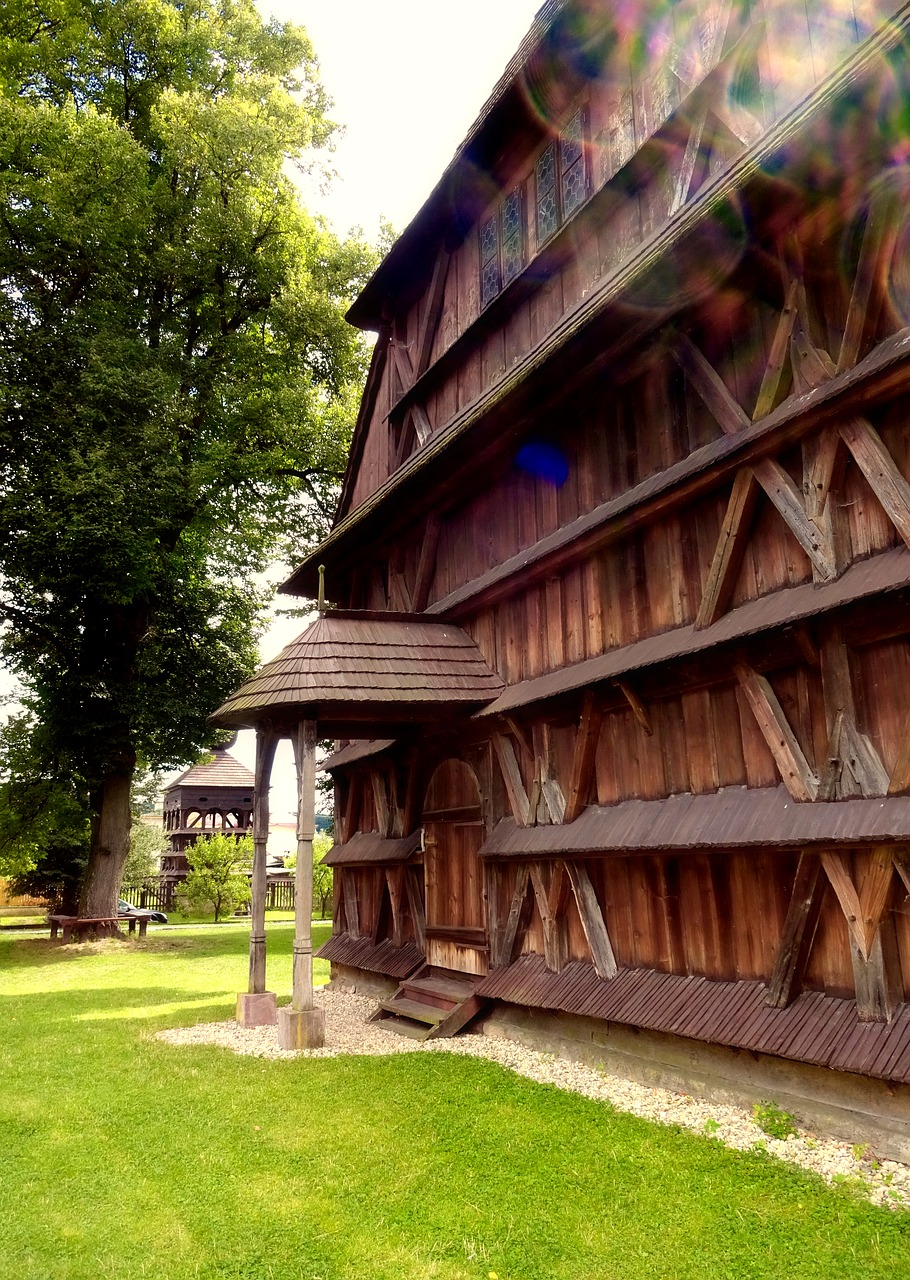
point(634, 458)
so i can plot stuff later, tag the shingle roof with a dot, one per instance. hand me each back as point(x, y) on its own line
point(733, 818)
point(361, 667)
point(367, 847)
point(815, 1028)
point(223, 771)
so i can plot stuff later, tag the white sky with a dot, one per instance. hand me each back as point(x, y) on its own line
point(407, 78)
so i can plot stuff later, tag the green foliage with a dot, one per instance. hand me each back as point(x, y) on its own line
point(147, 844)
point(773, 1120)
point(224, 1167)
point(177, 383)
point(44, 828)
point(322, 875)
point(219, 874)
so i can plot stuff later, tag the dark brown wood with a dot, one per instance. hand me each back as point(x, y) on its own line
point(637, 707)
point(899, 779)
point(782, 490)
point(379, 784)
point(592, 920)
point(511, 776)
point(856, 751)
point(416, 904)
point(395, 880)
point(518, 919)
point(583, 757)
point(351, 906)
point(798, 932)
point(795, 770)
point(728, 553)
point(554, 939)
point(426, 565)
point(875, 256)
point(429, 324)
point(881, 471)
point(777, 357)
point(705, 379)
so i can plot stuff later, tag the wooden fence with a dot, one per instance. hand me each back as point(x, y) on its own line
point(22, 900)
point(160, 894)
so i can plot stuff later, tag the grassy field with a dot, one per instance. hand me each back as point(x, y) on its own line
point(124, 1157)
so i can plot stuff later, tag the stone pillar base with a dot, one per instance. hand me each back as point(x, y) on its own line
point(301, 1028)
point(257, 1009)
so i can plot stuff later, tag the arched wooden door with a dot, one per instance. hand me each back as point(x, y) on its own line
point(456, 936)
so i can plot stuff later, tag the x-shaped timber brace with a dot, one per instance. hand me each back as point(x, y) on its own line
point(862, 880)
point(300, 1025)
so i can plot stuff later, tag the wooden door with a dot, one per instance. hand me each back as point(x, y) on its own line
point(453, 834)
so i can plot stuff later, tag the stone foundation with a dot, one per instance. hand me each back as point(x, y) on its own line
point(360, 982)
point(257, 1009)
point(851, 1108)
point(301, 1028)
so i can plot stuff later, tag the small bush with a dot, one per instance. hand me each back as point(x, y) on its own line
point(773, 1120)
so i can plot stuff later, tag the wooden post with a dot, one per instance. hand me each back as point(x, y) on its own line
point(257, 1007)
point(301, 1026)
point(266, 742)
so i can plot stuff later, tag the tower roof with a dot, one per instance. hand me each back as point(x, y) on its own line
point(223, 771)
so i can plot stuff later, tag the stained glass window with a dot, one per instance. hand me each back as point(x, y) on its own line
point(490, 282)
point(512, 239)
point(502, 247)
point(545, 184)
point(560, 187)
point(572, 166)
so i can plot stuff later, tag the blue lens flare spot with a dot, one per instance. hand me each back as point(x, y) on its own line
point(544, 461)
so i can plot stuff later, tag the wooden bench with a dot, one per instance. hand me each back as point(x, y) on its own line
point(73, 927)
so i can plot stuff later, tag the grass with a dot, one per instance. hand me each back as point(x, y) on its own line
point(128, 1158)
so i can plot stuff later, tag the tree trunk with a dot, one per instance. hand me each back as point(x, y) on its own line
point(110, 842)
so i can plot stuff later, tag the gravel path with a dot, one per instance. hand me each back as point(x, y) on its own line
point(347, 1031)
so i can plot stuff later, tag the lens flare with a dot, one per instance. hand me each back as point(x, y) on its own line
point(544, 461)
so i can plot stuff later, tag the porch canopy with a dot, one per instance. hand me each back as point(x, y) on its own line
point(351, 674)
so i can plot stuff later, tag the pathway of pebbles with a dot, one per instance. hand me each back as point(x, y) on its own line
point(348, 1031)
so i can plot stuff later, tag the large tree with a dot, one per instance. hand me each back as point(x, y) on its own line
point(176, 379)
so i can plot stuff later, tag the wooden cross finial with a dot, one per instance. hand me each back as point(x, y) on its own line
point(320, 602)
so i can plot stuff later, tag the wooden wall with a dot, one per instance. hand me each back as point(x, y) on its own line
point(645, 104)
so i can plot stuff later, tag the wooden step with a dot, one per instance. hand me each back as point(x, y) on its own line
point(445, 988)
point(405, 1027)
point(429, 1013)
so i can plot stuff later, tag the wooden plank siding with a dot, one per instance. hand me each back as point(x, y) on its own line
point(681, 540)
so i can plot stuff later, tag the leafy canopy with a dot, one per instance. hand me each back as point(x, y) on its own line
point(218, 879)
point(177, 382)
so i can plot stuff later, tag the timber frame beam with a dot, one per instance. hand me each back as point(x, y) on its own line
point(550, 887)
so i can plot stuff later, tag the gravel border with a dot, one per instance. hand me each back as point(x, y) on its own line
point(885, 1182)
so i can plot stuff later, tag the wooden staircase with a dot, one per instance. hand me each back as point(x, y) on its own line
point(431, 1003)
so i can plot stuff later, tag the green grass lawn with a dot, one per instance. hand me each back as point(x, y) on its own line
point(126, 1157)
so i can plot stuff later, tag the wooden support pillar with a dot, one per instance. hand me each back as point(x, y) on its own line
point(257, 1007)
point(301, 1026)
point(266, 742)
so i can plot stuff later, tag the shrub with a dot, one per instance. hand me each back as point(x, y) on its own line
point(773, 1120)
